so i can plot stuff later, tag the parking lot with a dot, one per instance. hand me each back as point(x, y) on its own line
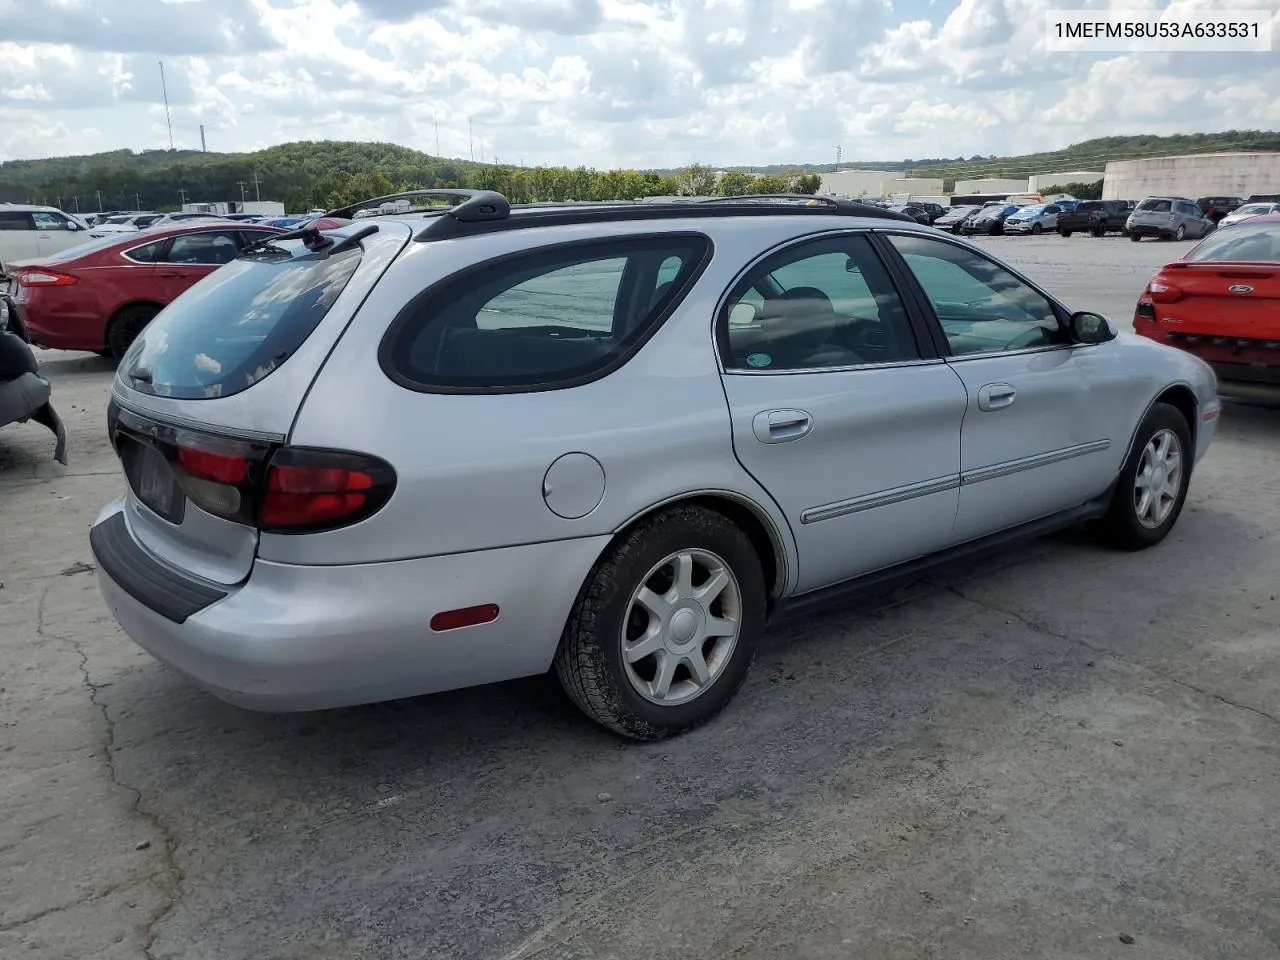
point(1058, 751)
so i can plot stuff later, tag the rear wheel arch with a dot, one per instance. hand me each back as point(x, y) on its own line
point(747, 515)
point(121, 314)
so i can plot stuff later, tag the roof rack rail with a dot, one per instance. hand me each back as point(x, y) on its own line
point(545, 215)
point(477, 206)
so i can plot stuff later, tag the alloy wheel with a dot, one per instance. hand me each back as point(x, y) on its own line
point(1159, 479)
point(681, 626)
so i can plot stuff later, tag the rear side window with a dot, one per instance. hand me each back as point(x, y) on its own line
point(1155, 206)
point(238, 324)
point(16, 221)
point(542, 320)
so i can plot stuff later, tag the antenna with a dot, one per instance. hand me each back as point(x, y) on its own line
point(165, 90)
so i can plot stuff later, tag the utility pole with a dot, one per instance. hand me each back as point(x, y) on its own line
point(77, 200)
point(241, 184)
point(99, 193)
point(257, 182)
point(437, 138)
point(471, 143)
point(168, 119)
point(838, 153)
point(203, 148)
point(137, 202)
point(182, 195)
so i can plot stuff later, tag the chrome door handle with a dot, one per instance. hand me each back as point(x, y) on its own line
point(996, 396)
point(778, 426)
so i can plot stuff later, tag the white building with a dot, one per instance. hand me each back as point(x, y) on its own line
point(1043, 181)
point(980, 187)
point(855, 183)
point(1198, 175)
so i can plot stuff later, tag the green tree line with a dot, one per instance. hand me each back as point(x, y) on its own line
point(334, 173)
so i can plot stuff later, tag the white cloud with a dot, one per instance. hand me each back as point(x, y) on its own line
point(599, 82)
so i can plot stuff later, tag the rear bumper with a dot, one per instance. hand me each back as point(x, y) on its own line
point(1147, 230)
point(1232, 358)
point(308, 637)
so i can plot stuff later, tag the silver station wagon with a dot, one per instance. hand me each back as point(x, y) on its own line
point(434, 449)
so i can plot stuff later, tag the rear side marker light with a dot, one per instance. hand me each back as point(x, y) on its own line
point(464, 617)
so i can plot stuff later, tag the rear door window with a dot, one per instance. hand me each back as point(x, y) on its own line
point(209, 248)
point(239, 323)
point(16, 221)
point(1155, 206)
point(541, 320)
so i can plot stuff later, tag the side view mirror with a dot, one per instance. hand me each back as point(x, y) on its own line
point(1089, 327)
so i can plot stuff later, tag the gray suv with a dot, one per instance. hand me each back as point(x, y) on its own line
point(1167, 218)
point(422, 451)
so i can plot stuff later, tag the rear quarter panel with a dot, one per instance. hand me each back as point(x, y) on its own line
point(471, 468)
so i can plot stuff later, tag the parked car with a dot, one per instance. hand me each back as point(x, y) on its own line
point(32, 231)
point(955, 216)
point(1215, 208)
point(124, 223)
point(577, 492)
point(1249, 210)
point(1221, 301)
point(1033, 219)
point(1167, 218)
point(935, 210)
point(918, 214)
point(24, 394)
point(100, 295)
point(1097, 217)
point(989, 220)
point(174, 219)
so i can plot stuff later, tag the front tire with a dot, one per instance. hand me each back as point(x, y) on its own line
point(1153, 482)
point(1180, 233)
point(1064, 233)
point(665, 628)
point(1100, 230)
point(1036, 229)
point(1134, 237)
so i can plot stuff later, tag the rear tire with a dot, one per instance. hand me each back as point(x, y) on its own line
point(1180, 233)
point(1159, 469)
point(1064, 233)
point(125, 327)
point(602, 661)
point(1134, 237)
point(1100, 230)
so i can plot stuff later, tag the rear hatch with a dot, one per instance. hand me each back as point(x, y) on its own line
point(206, 397)
point(1153, 213)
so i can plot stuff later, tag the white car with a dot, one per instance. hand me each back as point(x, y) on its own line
point(125, 223)
point(29, 231)
point(1247, 211)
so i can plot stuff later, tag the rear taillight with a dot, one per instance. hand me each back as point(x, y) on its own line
point(45, 278)
point(307, 490)
point(1163, 292)
point(219, 475)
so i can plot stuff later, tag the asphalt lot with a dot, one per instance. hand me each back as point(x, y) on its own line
point(1027, 757)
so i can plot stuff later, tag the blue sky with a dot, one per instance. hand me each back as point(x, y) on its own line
point(601, 82)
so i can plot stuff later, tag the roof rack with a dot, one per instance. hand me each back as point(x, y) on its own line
point(543, 215)
point(476, 206)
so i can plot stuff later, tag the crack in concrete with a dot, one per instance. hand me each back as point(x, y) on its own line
point(1103, 651)
point(169, 878)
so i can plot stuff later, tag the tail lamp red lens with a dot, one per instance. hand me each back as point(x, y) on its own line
point(45, 278)
point(310, 490)
point(217, 467)
point(1162, 291)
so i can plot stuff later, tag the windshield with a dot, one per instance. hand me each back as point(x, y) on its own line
point(239, 323)
point(1255, 208)
point(1248, 241)
point(1032, 211)
point(125, 219)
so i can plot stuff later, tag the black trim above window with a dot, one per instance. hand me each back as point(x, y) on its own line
point(444, 317)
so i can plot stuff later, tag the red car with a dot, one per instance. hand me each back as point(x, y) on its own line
point(99, 295)
point(1221, 301)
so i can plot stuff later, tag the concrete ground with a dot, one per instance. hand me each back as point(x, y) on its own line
point(1060, 752)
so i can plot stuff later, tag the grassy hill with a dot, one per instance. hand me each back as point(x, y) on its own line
point(333, 172)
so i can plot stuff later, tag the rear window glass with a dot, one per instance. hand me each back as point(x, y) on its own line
point(1089, 205)
point(1156, 206)
point(80, 249)
point(238, 324)
point(1243, 241)
point(541, 320)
